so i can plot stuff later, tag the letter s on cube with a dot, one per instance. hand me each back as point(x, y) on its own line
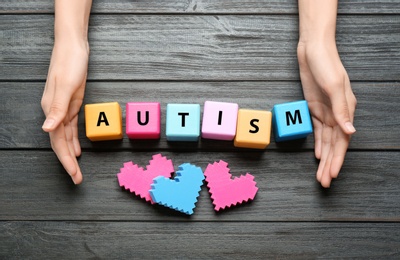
point(253, 129)
point(143, 120)
point(291, 121)
point(103, 121)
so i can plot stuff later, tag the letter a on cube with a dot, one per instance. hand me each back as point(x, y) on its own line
point(253, 129)
point(103, 121)
point(291, 121)
point(183, 122)
point(219, 120)
point(143, 120)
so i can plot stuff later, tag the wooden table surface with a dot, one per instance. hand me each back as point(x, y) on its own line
point(189, 52)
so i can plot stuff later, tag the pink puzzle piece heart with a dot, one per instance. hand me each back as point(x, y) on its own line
point(138, 181)
point(225, 191)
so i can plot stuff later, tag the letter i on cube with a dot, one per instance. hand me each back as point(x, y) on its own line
point(103, 121)
point(219, 120)
point(183, 122)
point(291, 121)
point(143, 120)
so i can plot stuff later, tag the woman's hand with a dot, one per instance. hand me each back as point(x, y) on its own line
point(66, 80)
point(326, 87)
point(62, 100)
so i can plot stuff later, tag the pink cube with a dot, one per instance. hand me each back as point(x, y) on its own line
point(219, 120)
point(143, 120)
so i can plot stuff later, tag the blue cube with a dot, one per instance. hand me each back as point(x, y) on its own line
point(183, 122)
point(291, 121)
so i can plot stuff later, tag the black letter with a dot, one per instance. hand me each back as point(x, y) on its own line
point(183, 118)
point(138, 118)
point(289, 116)
point(100, 120)
point(254, 125)
point(220, 118)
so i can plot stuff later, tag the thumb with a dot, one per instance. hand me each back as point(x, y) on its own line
point(341, 112)
point(58, 110)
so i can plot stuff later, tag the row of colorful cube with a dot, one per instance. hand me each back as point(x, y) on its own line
point(221, 121)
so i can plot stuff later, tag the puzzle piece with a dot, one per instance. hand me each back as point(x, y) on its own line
point(180, 193)
point(225, 191)
point(138, 181)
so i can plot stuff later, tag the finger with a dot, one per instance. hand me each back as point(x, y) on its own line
point(75, 138)
point(58, 109)
point(351, 99)
point(69, 162)
point(61, 149)
point(48, 94)
point(75, 106)
point(77, 178)
point(342, 143)
point(326, 177)
point(325, 149)
point(65, 153)
point(341, 111)
point(317, 137)
point(69, 136)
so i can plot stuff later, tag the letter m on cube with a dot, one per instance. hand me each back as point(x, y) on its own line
point(291, 121)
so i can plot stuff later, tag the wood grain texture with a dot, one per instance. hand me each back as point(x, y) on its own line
point(35, 187)
point(190, 51)
point(21, 115)
point(203, 6)
point(232, 240)
point(202, 47)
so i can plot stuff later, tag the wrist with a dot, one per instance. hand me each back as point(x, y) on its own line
point(317, 39)
point(71, 45)
point(317, 42)
point(317, 21)
point(70, 32)
point(71, 20)
point(317, 36)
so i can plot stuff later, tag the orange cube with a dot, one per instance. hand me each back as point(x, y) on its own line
point(253, 129)
point(103, 121)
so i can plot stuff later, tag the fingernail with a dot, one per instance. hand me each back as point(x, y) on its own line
point(350, 127)
point(48, 123)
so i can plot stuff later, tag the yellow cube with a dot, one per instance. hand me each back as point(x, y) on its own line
point(253, 129)
point(103, 121)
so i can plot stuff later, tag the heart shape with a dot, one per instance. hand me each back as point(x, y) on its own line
point(180, 193)
point(225, 191)
point(138, 181)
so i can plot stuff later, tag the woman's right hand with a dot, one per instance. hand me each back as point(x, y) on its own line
point(62, 99)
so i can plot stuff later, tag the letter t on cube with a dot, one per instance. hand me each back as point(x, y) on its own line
point(291, 121)
point(143, 120)
point(183, 122)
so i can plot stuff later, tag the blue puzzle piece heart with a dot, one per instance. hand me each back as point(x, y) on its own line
point(180, 193)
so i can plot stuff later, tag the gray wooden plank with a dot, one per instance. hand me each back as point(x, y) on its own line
point(202, 47)
point(35, 187)
point(198, 240)
point(21, 115)
point(203, 6)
